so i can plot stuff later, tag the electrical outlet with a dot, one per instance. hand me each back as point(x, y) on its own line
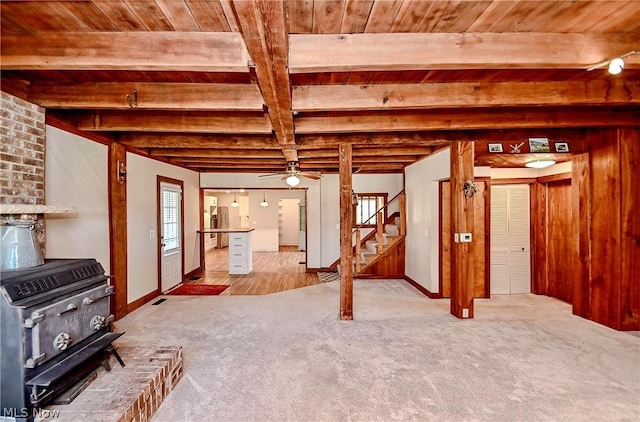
point(465, 312)
point(465, 237)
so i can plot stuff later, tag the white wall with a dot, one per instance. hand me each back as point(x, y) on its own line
point(76, 175)
point(290, 215)
point(423, 217)
point(323, 206)
point(142, 218)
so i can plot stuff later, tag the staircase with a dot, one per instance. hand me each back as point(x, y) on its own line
point(381, 252)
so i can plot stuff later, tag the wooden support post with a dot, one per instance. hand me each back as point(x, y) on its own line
point(357, 253)
point(118, 227)
point(379, 231)
point(403, 214)
point(346, 220)
point(462, 263)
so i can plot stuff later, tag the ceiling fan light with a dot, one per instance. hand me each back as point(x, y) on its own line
point(293, 180)
point(539, 164)
point(616, 65)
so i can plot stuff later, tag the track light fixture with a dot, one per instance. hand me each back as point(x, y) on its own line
point(615, 65)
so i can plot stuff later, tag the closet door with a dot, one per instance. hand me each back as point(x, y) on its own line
point(510, 239)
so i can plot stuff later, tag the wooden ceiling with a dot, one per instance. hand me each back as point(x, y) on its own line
point(229, 85)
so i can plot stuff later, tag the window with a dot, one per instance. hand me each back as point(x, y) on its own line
point(368, 205)
point(170, 218)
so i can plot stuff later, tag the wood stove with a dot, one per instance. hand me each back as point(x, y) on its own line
point(55, 331)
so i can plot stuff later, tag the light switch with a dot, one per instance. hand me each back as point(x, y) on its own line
point(152, 234)
point(456, 237)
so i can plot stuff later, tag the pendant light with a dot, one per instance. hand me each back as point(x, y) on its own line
point(234, 204)
point(264, 202)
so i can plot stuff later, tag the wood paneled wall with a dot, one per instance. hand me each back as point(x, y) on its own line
point(606, 286)
point(552, 233)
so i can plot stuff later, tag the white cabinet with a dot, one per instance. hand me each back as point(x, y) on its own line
point(240, 255)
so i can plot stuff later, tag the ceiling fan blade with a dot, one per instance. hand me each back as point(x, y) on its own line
point(311, 174)
point(270, 175)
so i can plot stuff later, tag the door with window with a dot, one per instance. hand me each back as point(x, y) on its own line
point(170, 229)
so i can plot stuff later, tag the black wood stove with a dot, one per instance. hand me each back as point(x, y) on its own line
point(55, 331)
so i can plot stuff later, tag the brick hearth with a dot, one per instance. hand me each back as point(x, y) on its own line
point(132, 393)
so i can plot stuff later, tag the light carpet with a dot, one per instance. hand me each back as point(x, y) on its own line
point(288, 357)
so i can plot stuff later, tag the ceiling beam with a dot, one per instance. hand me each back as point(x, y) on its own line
point(214, 153)
point(150, 96)
point(264, 29)
point(157, 121)
point(435, 138)
point(313, 53)
point(187, 140)
point(145, 51)
point(441, 95)
point(459, 119)
point(382, 153)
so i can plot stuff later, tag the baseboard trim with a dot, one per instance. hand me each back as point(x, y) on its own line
point(196, 272)
point(144, 299)
point(421, 289)
point(319, 270)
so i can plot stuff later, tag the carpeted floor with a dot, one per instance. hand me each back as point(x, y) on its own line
point(288, 357)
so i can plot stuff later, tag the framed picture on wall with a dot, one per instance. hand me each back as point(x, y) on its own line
point(495, 147)
point(539, 145)
point(562, 147)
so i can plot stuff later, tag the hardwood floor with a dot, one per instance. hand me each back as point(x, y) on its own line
point(272, 272)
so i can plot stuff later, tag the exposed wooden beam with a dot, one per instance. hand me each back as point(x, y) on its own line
point(213, 153)
point(458, 119)
point(434, 138)
point(441, 95)
point(404, 51)
point(264, 29)
point(157, 121)
point(346, 234)
point(117, 190)
point(189, 140)
point(150, 96)
point(371, 152)
point(462, 217)
point(143, 50)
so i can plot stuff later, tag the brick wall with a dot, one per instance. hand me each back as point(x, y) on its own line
point(22, 148)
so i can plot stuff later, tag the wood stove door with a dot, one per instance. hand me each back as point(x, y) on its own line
point(55, 328)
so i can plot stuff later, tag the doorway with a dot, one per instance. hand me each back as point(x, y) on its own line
point(510, 250)
point(170, 228)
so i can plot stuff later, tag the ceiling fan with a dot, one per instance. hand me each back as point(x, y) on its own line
point(292, 174)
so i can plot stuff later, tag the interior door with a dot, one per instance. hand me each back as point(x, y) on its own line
point(170, 229)
point(510, 246)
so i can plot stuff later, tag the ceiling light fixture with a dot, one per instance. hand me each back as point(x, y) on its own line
point(293, 180)
point(615, 65)
point(264, 202)
point(539, 164)
point(234, 204)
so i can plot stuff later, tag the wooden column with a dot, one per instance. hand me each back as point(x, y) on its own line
point(346, 248)
point(606, 288)
point(462, 215)
point(118, 228)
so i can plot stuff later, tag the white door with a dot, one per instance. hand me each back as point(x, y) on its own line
point(170, 235)
point(510, 239)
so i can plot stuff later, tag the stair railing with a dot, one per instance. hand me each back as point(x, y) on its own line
point(380, 226)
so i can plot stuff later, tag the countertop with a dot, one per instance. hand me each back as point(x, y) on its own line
point(226, 231)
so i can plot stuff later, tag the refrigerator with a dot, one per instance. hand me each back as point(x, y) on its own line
point(221, 221)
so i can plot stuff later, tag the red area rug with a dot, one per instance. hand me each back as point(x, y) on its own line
point(193, 289)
